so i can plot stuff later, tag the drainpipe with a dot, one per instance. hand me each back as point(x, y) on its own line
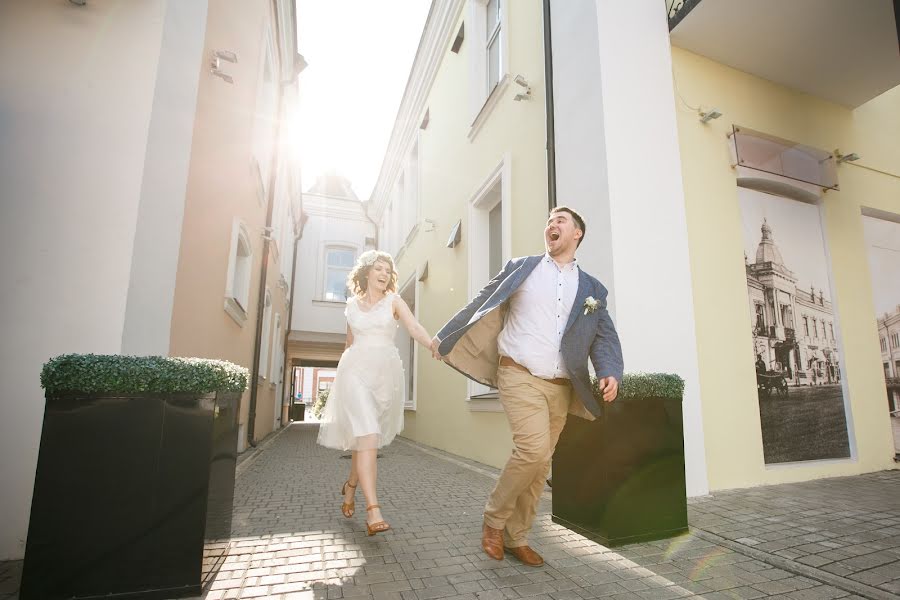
point(287, 330)
point(264, 269)
point(551, 126)
point(371, 220)
point(261, 303)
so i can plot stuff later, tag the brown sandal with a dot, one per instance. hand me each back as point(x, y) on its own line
point(375, 527)
point(348, 508)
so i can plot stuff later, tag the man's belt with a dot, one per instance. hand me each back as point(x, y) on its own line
point(506, 361)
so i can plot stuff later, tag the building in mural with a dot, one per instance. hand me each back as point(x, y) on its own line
point(889, 337)
point(793, 328)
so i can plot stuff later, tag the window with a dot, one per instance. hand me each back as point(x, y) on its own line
point(806, 326)
point(237, 282)
point(759, 311)
point(264, 347)
point(492, 49)
point(264, 115)
point(831, 331)
point(277, 367)
point(495, 239)
point(883, 345)
point(407, 345)
point(488, 249)
point(338, 263)
point(488, 59)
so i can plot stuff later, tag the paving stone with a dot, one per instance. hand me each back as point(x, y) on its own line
point(291, 542)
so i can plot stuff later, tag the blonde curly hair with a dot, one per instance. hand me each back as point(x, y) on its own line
point(358, 279)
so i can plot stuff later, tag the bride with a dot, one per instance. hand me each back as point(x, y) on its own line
point(364, 410)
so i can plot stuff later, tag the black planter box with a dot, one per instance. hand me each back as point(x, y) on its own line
point(620, 479)
point(132, 496)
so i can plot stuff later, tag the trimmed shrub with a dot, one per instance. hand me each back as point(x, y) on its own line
point(646, 385)
point(116, 374)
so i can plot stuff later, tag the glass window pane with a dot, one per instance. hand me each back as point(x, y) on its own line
point(493, 16)
point(336, 285)
point(494, 63)
point(340, 258)
point(495, 243)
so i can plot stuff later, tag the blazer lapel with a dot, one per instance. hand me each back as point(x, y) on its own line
point(524, 271)
point(578, 305)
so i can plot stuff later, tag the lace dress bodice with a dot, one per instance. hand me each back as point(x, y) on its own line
point(375, 326)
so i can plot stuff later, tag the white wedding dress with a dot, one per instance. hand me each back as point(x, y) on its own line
point(364, 409)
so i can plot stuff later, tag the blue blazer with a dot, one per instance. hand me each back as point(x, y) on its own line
point(468, 341)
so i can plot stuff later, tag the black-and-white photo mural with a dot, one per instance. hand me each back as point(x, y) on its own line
point(796, 350)
point(883, 246)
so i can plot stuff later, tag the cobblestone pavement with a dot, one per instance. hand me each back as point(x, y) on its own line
point(291, 541)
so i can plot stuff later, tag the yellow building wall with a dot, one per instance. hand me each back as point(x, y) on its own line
point(730, 410)
point(452, 169)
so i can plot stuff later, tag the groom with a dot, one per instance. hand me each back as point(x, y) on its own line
point(529, 333)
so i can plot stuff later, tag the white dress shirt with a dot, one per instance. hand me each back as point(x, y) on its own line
point(537, 317)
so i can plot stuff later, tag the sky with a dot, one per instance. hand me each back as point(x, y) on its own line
point(797, 231)
point(359, 53)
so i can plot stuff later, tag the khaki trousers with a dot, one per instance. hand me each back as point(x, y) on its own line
point(536, 410)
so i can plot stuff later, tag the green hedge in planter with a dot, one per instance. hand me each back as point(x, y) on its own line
point(646, 385)
point(116, 374)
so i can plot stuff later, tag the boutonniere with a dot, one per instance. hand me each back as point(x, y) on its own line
point(590, 305)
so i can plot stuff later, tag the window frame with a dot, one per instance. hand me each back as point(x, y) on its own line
point(239, 274)
point(480, 397)
point(326, 268)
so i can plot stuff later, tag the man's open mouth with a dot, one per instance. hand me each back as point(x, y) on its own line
point(554, 235)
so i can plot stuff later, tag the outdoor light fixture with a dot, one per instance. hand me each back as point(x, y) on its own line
point(455, 235)
point(845, 157)
point(526, 95)
point(215, 62)
point(713, 113)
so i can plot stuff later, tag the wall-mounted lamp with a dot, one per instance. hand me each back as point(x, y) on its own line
point(845, 157)
point(526, 95)
point(455, 235)
point(299, 64)
point(215, 62)
point(713, 113)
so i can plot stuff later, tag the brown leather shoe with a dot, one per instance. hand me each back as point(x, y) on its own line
point(526, 555)
point(492, 542)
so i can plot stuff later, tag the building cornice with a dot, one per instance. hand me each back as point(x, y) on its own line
point(436, 37)
point(318, 205)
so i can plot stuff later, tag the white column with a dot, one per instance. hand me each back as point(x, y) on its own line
point(151, 289)
point(648, 225)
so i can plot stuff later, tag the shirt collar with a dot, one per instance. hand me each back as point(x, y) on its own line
point(570, 266)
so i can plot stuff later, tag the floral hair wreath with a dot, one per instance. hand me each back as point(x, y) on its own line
point(368, 258)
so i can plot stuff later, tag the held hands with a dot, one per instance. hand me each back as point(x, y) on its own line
point(610, 388)
point(435, 342)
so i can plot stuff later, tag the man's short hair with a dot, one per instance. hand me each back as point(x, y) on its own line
point(579, 222)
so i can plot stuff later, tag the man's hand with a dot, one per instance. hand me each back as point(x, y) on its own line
point(435, 342)
point(610, 388)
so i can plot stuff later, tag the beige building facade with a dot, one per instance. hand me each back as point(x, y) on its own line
point(133, 170)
